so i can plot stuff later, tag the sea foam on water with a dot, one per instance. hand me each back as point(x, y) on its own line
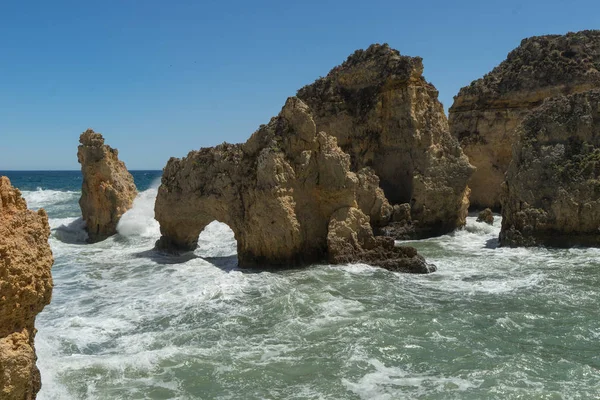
point(128, 322)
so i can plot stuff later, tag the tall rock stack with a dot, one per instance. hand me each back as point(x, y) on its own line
point(386, 116)
point(552, 189)
point(485, 114)
point(25, 288)
point(108, 189)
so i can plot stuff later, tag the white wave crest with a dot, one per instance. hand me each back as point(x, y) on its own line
point(41, 198)
point(139, 220)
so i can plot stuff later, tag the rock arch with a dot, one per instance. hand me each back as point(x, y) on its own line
point(278, 192)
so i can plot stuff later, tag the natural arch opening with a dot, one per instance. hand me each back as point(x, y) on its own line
point(216, 240)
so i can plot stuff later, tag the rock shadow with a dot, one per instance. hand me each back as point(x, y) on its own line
point(72, 233)
point(493, 243)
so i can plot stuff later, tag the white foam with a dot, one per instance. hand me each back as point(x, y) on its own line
point(41, 198)
point(139, 220)
point(216, 240)
point(384, 383)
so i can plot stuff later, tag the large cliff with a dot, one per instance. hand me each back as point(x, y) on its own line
point(386, 116)
point(107, 190)
point(486, 113)
point(25, 288)
point(552, 190)
point(289, 196)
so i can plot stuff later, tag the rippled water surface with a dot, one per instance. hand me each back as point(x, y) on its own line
point(128, 323)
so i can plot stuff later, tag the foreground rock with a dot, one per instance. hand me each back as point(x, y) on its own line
point(552, 190)
point(485, 114)
point(107, 190)
point(386, 116)
point(288, 195)
point(25, 288)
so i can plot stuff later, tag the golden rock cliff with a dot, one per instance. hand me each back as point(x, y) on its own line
point(387, 117)
point(486, 113)
point(107, 191)
point(25, 288)
point(552, 190)
point(289, 196)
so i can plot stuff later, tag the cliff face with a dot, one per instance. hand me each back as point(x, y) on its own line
point(386, 116)
point(552, 190)
point(485, 114)
point(108, 189)
point(282, 192)
point(25, 288)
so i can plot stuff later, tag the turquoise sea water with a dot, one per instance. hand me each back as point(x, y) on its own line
point(128, 323)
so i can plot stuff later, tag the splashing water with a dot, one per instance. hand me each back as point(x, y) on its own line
point(126, 322)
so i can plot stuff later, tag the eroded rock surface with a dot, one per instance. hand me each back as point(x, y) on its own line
point(281, 193)
point(552, 189)
point(25, 288)
point(486, 113)
point(486, 216)
point(386, 116)
point(107, 191)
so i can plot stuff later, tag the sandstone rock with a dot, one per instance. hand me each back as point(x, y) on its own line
point(350, 239)
point(386, 116)
point(485, 114)
point(25, 288)
point(108, 189)
point(486, 216)
point(278, 193)
point(552, 189)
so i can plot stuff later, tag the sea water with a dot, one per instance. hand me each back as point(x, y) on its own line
point(126, 322)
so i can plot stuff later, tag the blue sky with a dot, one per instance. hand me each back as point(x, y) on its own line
point(161, 78)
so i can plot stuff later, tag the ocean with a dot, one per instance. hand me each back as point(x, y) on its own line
point(126, 322)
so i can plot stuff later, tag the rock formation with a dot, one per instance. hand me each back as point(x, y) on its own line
point(386, 116)
point(552, 189)
point(485, 114)
point(25, 288)
point(486, 216)
point(288, 195)
point(107, 190)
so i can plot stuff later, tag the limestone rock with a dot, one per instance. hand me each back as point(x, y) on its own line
point(552, 190)
point(485, 114)
point(25, 288)
point(277, 192)
point(350, 239)
point(107, 191)
point(386, 116)
point(486, 216)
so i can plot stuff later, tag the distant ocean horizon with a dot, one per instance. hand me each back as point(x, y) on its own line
point(67, 179)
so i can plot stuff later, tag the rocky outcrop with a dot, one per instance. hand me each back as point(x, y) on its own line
point(25, 288)
point(485, 114)
point(288, 194)
point(386, 116)
point(552, 189)
point(107, 190)
point(486, 216)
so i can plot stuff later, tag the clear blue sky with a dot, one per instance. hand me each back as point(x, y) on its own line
point(160, 78)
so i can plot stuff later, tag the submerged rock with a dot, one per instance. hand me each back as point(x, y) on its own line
point(107, 190)
point(386, 116)
point(486, 216)
point(282, 193)
point(25, 288)
point(486, 113)
point(552, 189)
